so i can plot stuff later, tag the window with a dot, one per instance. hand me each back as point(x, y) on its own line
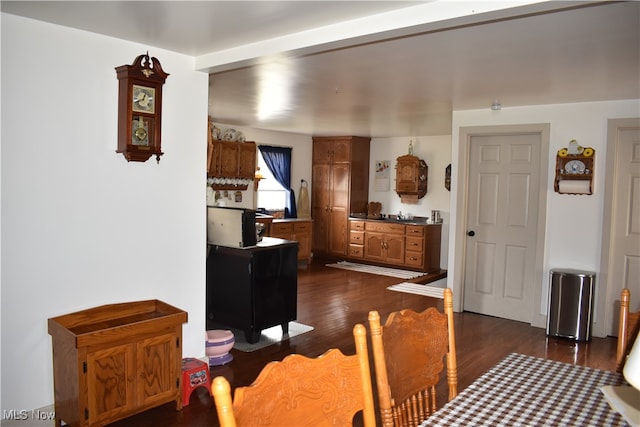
point(271, 195)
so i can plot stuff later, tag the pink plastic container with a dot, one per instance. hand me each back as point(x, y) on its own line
point(217, 346)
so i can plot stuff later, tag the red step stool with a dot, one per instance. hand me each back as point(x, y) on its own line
point(195, 373)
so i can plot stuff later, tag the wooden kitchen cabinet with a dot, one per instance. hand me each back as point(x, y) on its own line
point(431, 248)
point(415, 246)
point(356, 239)
point(384, 242)
point(299, 230)
point(116, 360)
point(230, 159)
point(340, 178)
point(247, 160)
point(411, 178)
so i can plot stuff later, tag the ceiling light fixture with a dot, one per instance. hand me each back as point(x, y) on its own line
point(496, 105)
point(276, 80)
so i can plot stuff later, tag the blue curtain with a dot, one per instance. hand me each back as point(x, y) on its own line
point(278, 160)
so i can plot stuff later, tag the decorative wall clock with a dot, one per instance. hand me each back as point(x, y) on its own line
point(140, 108)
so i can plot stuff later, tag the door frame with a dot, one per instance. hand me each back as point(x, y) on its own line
point(607, 303)
point(538, 318)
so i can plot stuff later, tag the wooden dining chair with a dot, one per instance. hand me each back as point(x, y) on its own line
point(408, 353)
point(301, 391)
point(628, 327)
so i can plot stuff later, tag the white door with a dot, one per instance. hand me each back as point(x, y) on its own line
point(502, 219)
point(624, 252)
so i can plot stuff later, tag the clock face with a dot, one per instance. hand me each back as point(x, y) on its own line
point(574, 167)
point(144, 99)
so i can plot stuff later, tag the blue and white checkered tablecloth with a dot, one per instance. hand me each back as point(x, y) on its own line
point(528, 391)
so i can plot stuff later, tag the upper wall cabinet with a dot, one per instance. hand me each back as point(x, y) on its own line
point(411, 178)
point(231, 163)
point(229, 159)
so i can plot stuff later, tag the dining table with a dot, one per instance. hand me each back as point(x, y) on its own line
point(530, 391)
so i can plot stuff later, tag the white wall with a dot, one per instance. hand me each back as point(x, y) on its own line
point(573, 236)
point(436, 152)
point(82, 227)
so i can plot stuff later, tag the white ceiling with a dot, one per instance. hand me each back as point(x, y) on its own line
point(377, 68)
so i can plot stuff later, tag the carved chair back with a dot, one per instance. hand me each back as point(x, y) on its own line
point(408, 354)
point(300, 391)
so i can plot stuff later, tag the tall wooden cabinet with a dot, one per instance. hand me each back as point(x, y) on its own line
point(340, 187)
point(116, 360)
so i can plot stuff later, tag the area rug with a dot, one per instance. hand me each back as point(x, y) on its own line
point(269, 336)
point(415, 288)
point(374, 269)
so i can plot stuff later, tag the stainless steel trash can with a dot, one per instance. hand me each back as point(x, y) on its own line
point(570, 304)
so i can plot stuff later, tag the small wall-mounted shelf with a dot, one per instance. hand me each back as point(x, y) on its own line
point(232, 184)
point(229, 187)
point(574, 172)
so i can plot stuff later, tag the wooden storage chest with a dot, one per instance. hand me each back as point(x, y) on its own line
point(116, 360)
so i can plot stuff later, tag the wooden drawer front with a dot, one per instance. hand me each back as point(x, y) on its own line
point(415, 230)
point(280, 229)
point(415, 244)
point(356, 225)
point(301, 227)
point(414, 259)
point(356, 251)
point(381, 227)
point(356, 237)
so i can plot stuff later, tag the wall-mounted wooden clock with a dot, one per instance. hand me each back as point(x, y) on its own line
point(140, 108)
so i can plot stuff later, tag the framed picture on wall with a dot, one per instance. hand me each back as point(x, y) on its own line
point(382, 175)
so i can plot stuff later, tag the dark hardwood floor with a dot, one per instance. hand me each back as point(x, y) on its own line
point(333, 301)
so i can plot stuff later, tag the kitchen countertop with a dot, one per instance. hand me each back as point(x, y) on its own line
point(260, 217)
point(265, 243)
point(418, 220)
point(264, 217)
point(292, 220)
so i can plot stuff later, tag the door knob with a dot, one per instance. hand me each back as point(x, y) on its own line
point(471, 233)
